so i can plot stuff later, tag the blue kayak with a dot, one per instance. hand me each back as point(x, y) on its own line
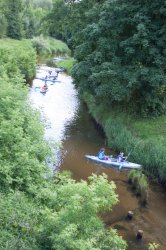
point(43, 91)
point(46, 80)
point(114, 163)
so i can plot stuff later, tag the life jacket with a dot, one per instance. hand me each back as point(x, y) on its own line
point(44, 88)
point(120, 158)
point(101, 155)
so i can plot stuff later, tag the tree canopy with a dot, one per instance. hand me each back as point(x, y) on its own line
point(120, 49)
point(23, 18)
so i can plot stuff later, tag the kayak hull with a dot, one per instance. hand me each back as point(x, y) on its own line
point(46, 80)
point(43, 91)
point(114, 163)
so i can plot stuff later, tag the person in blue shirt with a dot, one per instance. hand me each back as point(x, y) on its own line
point(121, 157)
point(101, 154)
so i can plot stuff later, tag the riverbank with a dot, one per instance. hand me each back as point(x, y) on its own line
point(144, 139)
point(68, 64)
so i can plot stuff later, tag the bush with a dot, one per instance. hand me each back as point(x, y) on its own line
point(18, 56)
point(49, 46)
point(153, 246)
point(23, 149)
point(19, 222)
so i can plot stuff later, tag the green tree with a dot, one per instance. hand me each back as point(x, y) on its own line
point(3, 21)
point(28, 20)
point(19, 222)
point(3, 25)
point(121, 56)
point(14, 29)
point(74, 222)
point(68, 18)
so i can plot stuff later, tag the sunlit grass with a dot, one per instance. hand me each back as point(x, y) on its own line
point(67, 64)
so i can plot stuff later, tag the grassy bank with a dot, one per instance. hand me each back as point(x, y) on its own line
point(46, 46)
point(67, 64)
point(144, 138)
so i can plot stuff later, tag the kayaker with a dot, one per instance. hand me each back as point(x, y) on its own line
point(101, 154)
point(50, 72)
point(121, 157)
point(44, 88)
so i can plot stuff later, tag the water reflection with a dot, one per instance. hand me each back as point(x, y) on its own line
point(58, 106)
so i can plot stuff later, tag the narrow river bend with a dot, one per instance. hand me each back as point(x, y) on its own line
point(68, 123)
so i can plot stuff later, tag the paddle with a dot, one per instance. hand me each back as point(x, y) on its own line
point(120, 167)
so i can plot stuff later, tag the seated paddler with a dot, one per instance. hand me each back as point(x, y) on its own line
point(101, 154)
point(121, 157)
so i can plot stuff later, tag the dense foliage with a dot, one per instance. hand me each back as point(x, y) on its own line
point(18, 56)
point(37, 210)
point(23, 18)
point(120, 49)
point(46, 46)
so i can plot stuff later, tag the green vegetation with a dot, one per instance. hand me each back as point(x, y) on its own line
point(18, 56)
point(49, 46)
point(24, 18)
point(153, 246)
point(120, 51)
point(124, 133)
point(120, 70)
point(37, 212)
point(140, 184)
point(67, 63)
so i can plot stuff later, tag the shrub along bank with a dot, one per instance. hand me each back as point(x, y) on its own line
point(37, 212)
point(18, 56)
point(144, 139)
point(46, 46)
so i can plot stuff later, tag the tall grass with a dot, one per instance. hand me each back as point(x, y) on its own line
point(123, 134)
point(68, 64)
point(139, 182)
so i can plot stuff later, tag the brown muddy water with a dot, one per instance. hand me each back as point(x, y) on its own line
point(68, 123)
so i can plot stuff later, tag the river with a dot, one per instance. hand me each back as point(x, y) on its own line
point(68, 123)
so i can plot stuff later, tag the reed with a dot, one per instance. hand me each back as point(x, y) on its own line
point(139, 182)
point(135, 179)
point(131, 175)
point(142, 189)
point(130, 134)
